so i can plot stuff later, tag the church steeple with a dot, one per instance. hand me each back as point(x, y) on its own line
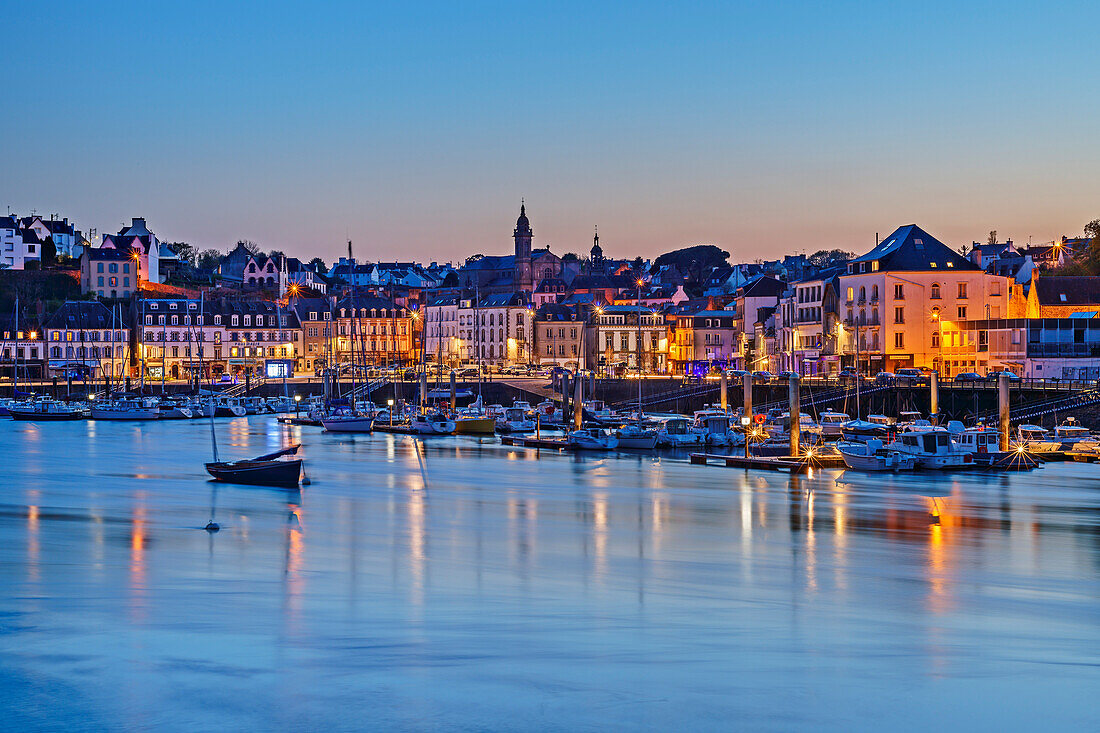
point(595, 255)
point(523, 277)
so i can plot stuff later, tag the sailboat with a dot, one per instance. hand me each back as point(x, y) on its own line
point(636, 434)
point(265, 470)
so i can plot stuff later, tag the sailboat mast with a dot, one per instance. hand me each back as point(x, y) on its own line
point(15, 382)
point(202, 341)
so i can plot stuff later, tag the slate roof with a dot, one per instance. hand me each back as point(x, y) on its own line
point(1056, 290)
point(84, 315)
point(912, 249)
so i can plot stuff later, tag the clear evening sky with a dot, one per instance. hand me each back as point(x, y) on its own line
point(415, 128)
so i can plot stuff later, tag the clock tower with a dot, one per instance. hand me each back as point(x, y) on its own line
point(523, 277)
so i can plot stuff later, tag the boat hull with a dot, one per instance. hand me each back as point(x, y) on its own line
point(46, 416)
point(349, 425)
point(475, 426)
point(258, 473)
point(151, 413)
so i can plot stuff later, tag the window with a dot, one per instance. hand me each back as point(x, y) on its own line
point(874, 292)
point(962, 291)
point(99, 268)
point(851, 294)
point(899, 340)
point(100, 281)
point(874, 266)
point(935, 291)
point(862, 294)
point(899, 315)
point(962, 312)
point(935, 339)
point(899, 291)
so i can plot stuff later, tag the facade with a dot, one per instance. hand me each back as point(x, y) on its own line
point(897, 299)
point(616, 339)
point(108, 273)
point(375, 331)
point(1035, 348)
point(88, 340)
point(442, 343)
point(756, 303)
point(704, 340)
point(315, 316)
point(21, 346)
point(150, 251)
point(18, 245)
point(497, 330)
point(66, 239)
point(1063, 297)
point(561, 337)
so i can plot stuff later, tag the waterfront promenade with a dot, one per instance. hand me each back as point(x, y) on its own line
point(459, 583)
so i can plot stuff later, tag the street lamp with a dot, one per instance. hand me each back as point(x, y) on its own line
point(389, 403)
point(745, 422)
point(297, 403)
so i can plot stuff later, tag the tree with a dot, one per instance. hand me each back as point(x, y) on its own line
point(570, 257)
point(992, 239)
point(451, 281)
point(318, 265)
point(209, 259)
point(829, 258)
point(49, 253)
point(276, 253)
point(252, 247)
point(187, 253)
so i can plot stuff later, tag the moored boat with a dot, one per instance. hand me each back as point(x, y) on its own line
point(46, 410)
point(127, 408)
point(431, 423)
point(265, 470)
point(871, 455)
point(592, 439)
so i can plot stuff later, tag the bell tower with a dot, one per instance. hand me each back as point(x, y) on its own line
point(523, 277)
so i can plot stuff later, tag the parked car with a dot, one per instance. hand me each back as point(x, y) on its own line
point(909, 375)
point(786, 376)
point(968, 377)
point(763, 376)
point(885, 378)
point(467, 372)
point(849, 374)
point(995, 375)
point(736, 373)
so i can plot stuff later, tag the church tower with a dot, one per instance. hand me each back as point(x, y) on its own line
point(595, 255)
point(523, 276)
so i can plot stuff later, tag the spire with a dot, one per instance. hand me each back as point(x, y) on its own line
point(596, 236)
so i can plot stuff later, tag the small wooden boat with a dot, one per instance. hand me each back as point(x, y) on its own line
point(265, 470)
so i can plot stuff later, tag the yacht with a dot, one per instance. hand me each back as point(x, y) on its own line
point(1036, 439)
point(871, 455)
point(717, 428)
point(175, 409)
point(346, 420)
point(515, 420)
point(832, 423)
point(254, 405)
point(280, 404)
point(637, 436)
point(228, 407)
point(46, 409)
point(678, 432)
point(981, 441)
point(127, 408)
point(887, 422)
point(931, 448)
point(592, 439)
point(1074, 436)
point(431, 423)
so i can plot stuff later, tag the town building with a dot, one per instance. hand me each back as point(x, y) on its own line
point(616, 343)
point(66, 239)
point(497, 330)
point(442, 342)
point(21, 347)
point(151, 252)
point(897, 298)
point(518, 272)
point(1056, 296)
point(86, 339)
point(561, 336)
point(703, 340)
point(18, 246)
point(107, 272)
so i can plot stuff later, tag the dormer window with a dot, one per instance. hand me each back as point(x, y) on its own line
point(172, 306)
point(247, 320)
point(217, 320)
point(192, 306)
point(234, 321)
point(152, 306)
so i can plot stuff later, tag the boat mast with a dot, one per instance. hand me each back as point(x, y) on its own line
point(15, 378)
point(202, 340)
point(638, 303)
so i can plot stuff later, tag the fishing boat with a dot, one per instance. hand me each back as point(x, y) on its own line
point(229, 407)
point(127, 408)
point(592, 439)
point(871, 455)
point(932, 448)
point(515, 420)
point(265, 470)
point(637, 437)
point(677, 432)
point(431, 423)
point(717, 427)
point(46, 410)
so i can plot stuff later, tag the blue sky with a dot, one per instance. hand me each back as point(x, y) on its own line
point(415, 128)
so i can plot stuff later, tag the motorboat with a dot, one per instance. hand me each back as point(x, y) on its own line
point(777, 425)
point(860, 431)
point(1036, 439)
point(548, 411)
point(46, 409)
point(228, 407)
point(832, 423)
point(981, 441)
point(175, 409)
point(906, 418)
point(265, 470)
point(885, 421)
point(254, 405)
point(1074, 436)
point(931, 448)
point(515, 420)
point(637, 436)
point(280, 404)
point(431, 423)
point(346, 420)
point(592, 439)
point(475, 422)
point(126, 408)
point(677, 432)
point(717, 427)
point(871, 455)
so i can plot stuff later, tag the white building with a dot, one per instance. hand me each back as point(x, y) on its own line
point(66, 239)
point(618, 328)
point(18, 245)
point(442, 342)
point(151, 251)
point(498, 329)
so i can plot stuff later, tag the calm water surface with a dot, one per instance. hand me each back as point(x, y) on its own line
point(468, 585)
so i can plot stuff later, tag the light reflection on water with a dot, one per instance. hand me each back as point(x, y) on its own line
point(460, 583)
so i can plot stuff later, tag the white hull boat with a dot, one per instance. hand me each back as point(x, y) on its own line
point(871, 456)
point(348, 424)
point(593, 439)
point(432, 424)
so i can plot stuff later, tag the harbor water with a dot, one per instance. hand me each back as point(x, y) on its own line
point(455, 583)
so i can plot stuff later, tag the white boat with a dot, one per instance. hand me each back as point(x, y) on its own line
point(348, 421)
point(981, 441)
point(254, 405)
point(832, 423)
point(887, 422)
point(125, 409)
point(777, 425)
point(280, 404)
point(515, 420)
point(175, 409)
point(932, 448)
point(637, 437)
point(677, 432)
point(228, 407)
point(1036, 439)
point(717, 427)
point(46, 410)
point(548, 411)
point(593, 439)
point(905, 419)
point(1074, 436)
point(431, 423)
point(871, 455)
